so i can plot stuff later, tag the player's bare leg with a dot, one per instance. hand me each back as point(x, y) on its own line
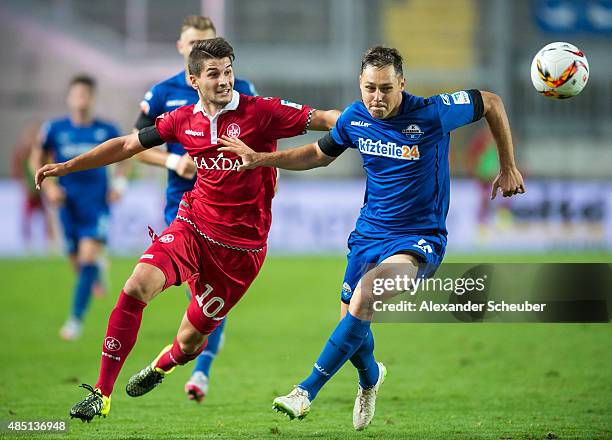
point(188, 344)
point(351, 340)
point(365, 401)
point(143, 285)
point(85, 265)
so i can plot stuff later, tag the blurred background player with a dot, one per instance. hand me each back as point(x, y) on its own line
point(401, 230)
point(482, 164)
point(82, 198)
point(164, 97)
point(21, 171)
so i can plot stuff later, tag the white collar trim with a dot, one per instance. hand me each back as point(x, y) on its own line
point(232, 105)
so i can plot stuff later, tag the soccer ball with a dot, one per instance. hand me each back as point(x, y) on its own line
point(559, 70)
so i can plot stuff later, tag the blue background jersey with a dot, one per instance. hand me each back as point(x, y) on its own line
point(64, 140)
point(164, 97)
point(84, 213)
point(406, 161)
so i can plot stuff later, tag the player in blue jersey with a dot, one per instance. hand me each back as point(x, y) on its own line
point(404, 144)
point(165, 97)
point(83, 198)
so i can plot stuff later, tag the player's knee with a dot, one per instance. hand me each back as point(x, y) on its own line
point(138, 289)
point(88, 251)
point(146, 282)
point(190, 341)
point(362, 302)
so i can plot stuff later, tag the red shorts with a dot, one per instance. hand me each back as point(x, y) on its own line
point(218, 275)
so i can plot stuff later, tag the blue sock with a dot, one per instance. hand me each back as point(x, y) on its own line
point(88, 274)
point(206, 358)
point(364, 361)
point(342, 344)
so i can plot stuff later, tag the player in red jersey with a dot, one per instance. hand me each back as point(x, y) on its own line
point(217, 243)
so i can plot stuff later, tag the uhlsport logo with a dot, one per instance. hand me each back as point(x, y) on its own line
point(168, 238)
point(233, 130)
point(413, 132)
point(388, 149)
point(112, 344)
point(194, 133)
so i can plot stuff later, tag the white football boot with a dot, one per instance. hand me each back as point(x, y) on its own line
point(365, 403)
point(197, 387)
point(296, 404)
point(71, 330)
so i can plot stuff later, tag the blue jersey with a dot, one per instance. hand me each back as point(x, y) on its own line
point(164, 97)
point(84, 213)
point(64, 140)
point(406, 161)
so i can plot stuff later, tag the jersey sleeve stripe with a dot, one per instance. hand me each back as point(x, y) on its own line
point(330, 147)
point(476, 98)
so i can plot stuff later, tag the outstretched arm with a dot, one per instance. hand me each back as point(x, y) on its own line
point(509, 179)
point(112, 151)
point(300, 158)
point(323, 120)
point(183, 165)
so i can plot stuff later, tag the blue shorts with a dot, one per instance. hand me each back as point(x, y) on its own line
point(366, 253)
point(83, 220)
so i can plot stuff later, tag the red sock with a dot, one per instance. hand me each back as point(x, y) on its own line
point(121, 334)
point(175, 356)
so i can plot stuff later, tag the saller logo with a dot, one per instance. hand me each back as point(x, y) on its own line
point(388, 149)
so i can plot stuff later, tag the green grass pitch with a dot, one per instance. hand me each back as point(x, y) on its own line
point(447, 381)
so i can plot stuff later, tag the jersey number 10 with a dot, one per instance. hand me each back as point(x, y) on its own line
point(207, 306)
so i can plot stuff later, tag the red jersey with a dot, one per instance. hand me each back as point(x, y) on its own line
point(232, 207)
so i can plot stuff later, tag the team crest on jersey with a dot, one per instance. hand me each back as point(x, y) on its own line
point(445, 98)
point(100, 134)
point(168, 238)
point(346, 291)
point(413, 132)
point(233, 130)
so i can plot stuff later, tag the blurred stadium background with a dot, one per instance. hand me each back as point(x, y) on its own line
point(309, 52)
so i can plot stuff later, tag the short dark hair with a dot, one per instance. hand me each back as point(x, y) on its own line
point(198, 22)
point(380, 56)
point(214, 48)
point(84, 79)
